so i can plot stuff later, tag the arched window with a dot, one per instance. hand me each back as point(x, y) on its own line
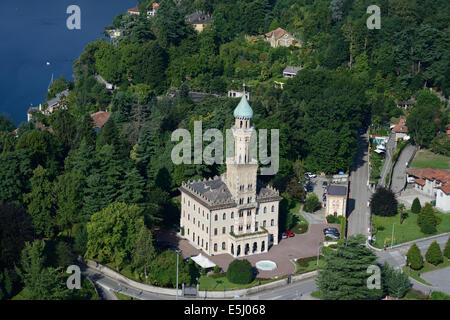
point(265, 210)
point(223, 245)
point(224, 216)
point(271, 222)
point(216, 217)
point(215, 246)
point(273, 208)
point(232, 215)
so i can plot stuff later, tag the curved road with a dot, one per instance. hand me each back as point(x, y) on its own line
point(399, 171)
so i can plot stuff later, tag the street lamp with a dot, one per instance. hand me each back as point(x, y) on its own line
point(392, 239)
point(178, 255)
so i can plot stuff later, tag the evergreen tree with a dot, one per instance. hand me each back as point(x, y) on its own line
point(109, 134)
point(447, 249)
point(434, 254)
point(42, 203)
point(344, 274)
point(144, 253)
point(427, 220)
point(86, 131)
point(132, 190)
point(395, 282)
point(414, 257)
point(416, 207)
point(384, 203)
point(146, 148)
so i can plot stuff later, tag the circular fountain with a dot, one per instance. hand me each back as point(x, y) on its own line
point(266, 265)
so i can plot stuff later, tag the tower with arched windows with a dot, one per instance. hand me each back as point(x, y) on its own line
point(233, 213)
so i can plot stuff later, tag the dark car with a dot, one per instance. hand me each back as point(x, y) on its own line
point(327, 230)
point(309, 187)
point(332, 235)
point(324, 184)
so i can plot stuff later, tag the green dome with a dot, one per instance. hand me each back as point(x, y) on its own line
point(243, 109)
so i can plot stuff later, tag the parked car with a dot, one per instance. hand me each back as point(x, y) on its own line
point(287, 234)
point(332, 235)
point(309, 187)
point(310, 175)
point(330, 230)
point(324, 184)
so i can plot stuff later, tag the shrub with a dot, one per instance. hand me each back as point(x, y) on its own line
point(240, 272)
point(332, 219)
point(434, 254)
point(312, 203)
point(427, 220)
point(384, 203)
point(436, 295)
point(414, 257)
point(447, 249)
point(416, 207)
point(216, 269)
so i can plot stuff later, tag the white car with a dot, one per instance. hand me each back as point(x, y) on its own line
point(310, 175)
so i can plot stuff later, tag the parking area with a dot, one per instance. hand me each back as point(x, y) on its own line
point(408, 195)
point(283, 254)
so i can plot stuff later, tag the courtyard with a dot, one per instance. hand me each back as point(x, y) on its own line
point(283, 254)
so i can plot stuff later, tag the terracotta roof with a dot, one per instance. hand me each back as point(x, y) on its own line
point(420, 181)
point(401, 127)
point(445, 188)
point(100, 118)
point(134, 10)
point(155, 5)
point(278, 33)
point(430, 174)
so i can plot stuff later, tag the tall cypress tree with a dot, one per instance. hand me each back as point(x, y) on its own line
point(414, 257)
point(434, 254)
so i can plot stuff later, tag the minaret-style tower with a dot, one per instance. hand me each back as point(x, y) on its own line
point(243, 166)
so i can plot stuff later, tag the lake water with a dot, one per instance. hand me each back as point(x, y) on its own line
point(34, 32)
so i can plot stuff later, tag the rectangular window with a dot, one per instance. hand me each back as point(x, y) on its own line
point(224, 230)
point(215, 231)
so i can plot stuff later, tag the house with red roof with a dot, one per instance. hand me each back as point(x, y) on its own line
point(400, 129)
point(99, 119)
point(434, 183)
point(280, 37)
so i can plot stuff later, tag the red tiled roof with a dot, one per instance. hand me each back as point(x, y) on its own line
point(401, 127)
point(155, 5)
point(100, 118)
point(420, 181)
point(278, 33)
point(445, 188)
point(133, 10)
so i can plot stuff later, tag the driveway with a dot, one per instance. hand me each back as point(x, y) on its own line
point(440, 279)
point(300, 246)
point(398, 182)
point(408, 195)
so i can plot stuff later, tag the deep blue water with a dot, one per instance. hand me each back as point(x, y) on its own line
point(34, 32)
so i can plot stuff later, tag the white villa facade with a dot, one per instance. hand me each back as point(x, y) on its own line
point(232, 213)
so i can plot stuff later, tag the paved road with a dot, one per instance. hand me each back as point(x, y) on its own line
point(296, 291)
point(390, 147)
point(359, 194)
point(399, 170)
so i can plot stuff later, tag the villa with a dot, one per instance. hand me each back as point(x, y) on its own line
point(233, 213)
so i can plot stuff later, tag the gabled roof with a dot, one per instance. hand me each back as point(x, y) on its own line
point(401, 127)
point(278, 33)
point(57, 99)
point(198, 17)
point(292, 69)
point(100, 118)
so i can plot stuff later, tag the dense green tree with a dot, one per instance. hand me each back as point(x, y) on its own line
point(6, 285)
point(144, 253)
point(68, 189)
point(80, 237)
point(414, 257)
point(416, 207)
point(395, 282)
point(64, 255)
point(15, 171)
point(312, 203)
point(169, 23)
point(133, 188)
point(427, 220)
point(113, 233)
point(383, 203)
point(344, 273)
point(42, 282)
point(15, 229)
point(447, 249)
point(163, 271)
point(240, 271)
point(434, 254)
point(41, 202)
point(86, 131)
point(6, 124)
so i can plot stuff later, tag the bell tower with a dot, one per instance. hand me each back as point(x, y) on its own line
point(242, 167)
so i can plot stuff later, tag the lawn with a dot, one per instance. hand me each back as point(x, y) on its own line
point(307, 264)
point(407, 231)
point(427, 159)
point(415, 274)
point(301, 225)
point(222, 283)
